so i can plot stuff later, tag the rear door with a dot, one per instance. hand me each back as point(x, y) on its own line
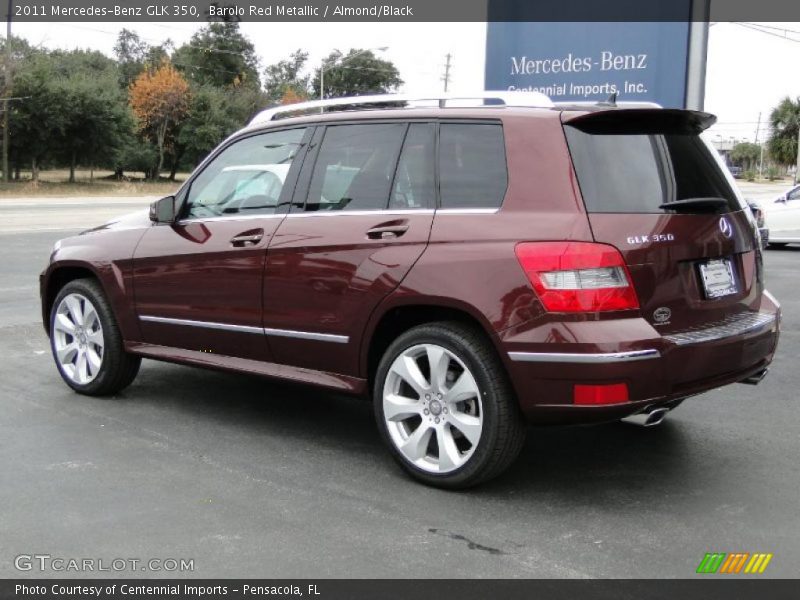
point(655, 190)
point(362, 216)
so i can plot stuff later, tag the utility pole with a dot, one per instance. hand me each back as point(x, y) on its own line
point(6, 92)
point(761, 147)
point(797, 167)
point(446, 76)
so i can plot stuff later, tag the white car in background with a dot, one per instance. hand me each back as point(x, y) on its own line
point(782, 218)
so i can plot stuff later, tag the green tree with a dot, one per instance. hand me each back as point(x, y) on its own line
point(284, 76)
point(97, 116)
point(40, 119)
point(785, 120)
point(214, 114)
point(356, 73)
point(220, 55)
point(746, 155)
point(134, 55)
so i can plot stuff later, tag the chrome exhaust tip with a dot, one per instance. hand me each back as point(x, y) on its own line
point(756, 378)
point(647, 419)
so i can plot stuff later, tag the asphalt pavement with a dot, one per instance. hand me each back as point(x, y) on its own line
point(252, 478)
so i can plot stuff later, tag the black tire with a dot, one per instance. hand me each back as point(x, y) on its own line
point(503, 432)
point(118, 368)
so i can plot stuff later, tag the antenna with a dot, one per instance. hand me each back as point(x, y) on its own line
point(610, 101)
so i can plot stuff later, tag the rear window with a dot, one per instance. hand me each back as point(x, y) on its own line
point(638, 173)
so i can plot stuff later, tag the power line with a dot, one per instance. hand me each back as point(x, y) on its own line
point(773, 27)
point(765, 32)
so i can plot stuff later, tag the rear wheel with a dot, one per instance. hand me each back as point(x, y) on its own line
point(445, 408)
point(86, 342)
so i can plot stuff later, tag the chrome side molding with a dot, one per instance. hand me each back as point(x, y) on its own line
point(301, 335)
point(307, 335)
point(584, 358)
point(204, 324)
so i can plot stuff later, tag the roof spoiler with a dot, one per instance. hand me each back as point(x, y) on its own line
point(634, 121)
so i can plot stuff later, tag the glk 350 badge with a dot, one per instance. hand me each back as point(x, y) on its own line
point(652, 238)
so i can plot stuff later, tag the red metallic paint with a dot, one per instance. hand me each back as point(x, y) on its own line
point(192, 270)
point(322, 274)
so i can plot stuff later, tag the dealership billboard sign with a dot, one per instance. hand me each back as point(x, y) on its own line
point(661, 62)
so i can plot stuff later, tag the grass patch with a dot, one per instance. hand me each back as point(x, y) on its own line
point(100, 183)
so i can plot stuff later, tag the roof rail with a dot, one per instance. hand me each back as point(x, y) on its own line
point(505, 98)
point(624, 104)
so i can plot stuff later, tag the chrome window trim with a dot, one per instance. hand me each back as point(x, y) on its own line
point(743, 323)
point(467, 211)
point(362, 213)
point(399, 211)
point(302, 335)
point(584, 358)
point(231, 218)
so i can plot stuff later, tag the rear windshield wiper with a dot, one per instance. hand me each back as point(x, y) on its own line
point(711, 203)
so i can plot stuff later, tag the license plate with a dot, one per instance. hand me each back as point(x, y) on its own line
point(718, 279)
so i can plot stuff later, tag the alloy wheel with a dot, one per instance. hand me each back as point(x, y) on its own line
point(432, 408)
point(78, 339)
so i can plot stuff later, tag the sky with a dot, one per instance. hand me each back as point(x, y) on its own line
point(748, 71)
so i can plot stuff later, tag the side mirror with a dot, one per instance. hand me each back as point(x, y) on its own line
point(163, 210)
point(781, 200)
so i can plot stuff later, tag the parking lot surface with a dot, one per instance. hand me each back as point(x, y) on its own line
point(251, 478)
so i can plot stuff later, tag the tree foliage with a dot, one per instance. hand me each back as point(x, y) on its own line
point(785, 120)
point(745, 154)
point(220, 55)
point(213, 115)
point(284, 77)
point(152, 107)
point(135, 55)
point(356, 73)
point(73, 111)
point(160, 102)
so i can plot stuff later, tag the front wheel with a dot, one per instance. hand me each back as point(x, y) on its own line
point(445, 408)
point(86, 342)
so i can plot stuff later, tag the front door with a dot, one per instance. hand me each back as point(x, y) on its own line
point(361, 219)
point(198, 282)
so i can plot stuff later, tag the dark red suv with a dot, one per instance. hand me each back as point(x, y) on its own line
point(472, 268)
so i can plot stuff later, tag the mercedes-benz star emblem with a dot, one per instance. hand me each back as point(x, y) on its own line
point(725, 227)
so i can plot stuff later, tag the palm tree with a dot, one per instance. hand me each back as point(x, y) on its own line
point(785, 120)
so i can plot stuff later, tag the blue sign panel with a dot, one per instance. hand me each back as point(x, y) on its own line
point(590, 61)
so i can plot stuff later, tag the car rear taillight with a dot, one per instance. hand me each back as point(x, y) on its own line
point(577, 276)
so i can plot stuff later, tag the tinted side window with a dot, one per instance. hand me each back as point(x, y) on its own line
point(472, 165)
point(245, 178)
point(354, 167)
point(414, 181)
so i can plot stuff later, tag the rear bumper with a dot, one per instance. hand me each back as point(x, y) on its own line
point(658, 370)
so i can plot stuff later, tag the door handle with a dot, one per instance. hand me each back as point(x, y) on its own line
point(247, 238)
point(387, 232)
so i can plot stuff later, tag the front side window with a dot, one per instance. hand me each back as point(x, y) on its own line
point(355, 167)
point(245, 178)
point(472, 165)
